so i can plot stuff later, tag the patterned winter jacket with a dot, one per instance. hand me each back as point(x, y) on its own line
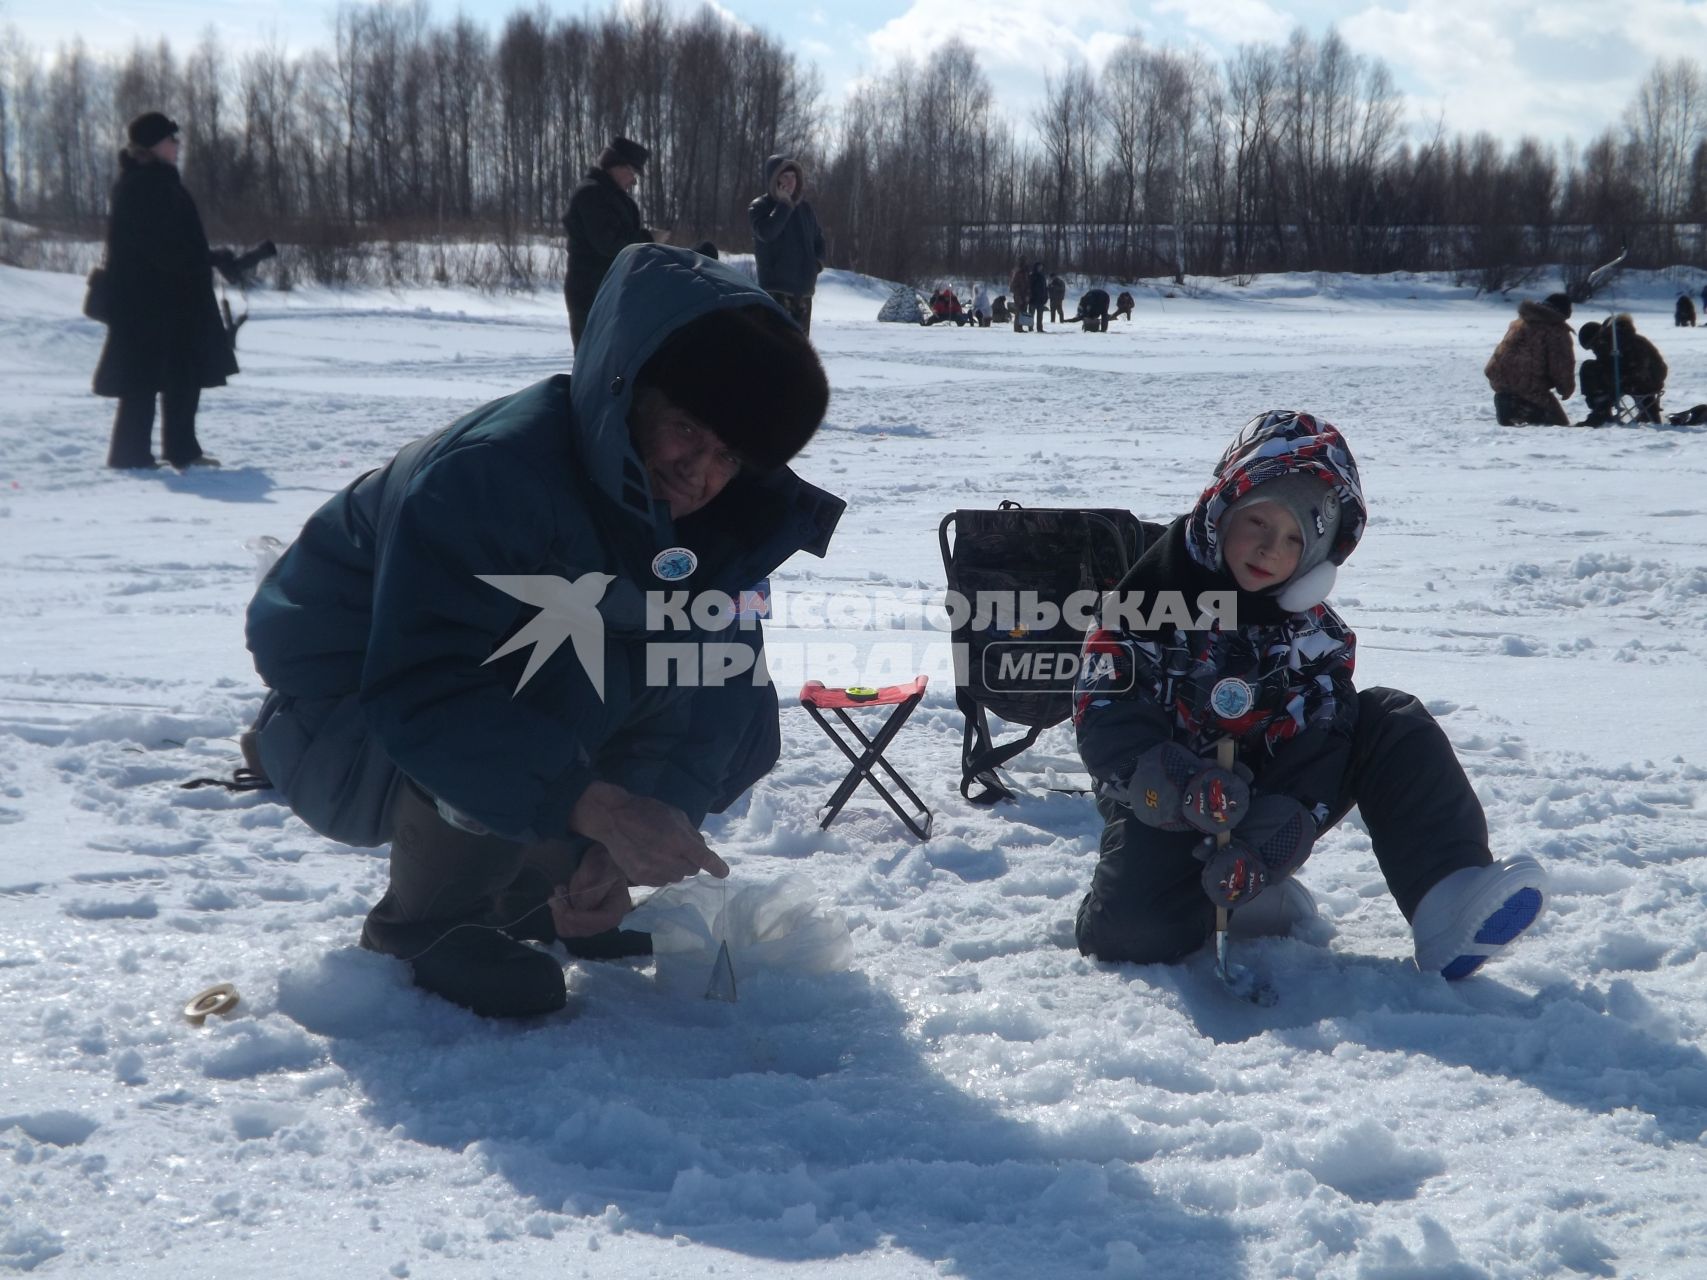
point(1535, 357)
point(1278, 683)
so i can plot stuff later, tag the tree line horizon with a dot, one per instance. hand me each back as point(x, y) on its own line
point(1282, 157)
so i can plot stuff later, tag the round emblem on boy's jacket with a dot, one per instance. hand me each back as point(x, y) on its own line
point(672, 564)
point(1231, 698)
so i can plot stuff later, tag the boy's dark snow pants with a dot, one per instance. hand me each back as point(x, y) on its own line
point(1147, 905)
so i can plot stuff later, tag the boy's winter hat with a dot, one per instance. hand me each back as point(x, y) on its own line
point(1560, 302)
point(1587, 334)
point(624, 151)
point(750, 375)
point(149, 128)
point(1312, 502)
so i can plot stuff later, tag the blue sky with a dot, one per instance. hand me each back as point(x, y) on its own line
point(1559, 70)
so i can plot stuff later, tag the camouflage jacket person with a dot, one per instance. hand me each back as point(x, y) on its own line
point(1534, 359)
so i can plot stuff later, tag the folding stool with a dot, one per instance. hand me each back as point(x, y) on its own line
point(817, 699)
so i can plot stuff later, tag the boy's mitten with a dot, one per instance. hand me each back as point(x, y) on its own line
point(1216, 799)
point(1155, 790)
point(1273, 841)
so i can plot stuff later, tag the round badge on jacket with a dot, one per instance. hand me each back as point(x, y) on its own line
point(672, 564)
point(1231, 698)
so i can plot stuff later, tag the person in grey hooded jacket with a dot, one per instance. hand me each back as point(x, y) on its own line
point(788, 243)
point(470, 653)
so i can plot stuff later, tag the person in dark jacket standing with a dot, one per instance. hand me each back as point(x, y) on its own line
point(1684, 314)
point(413, 638)
point(603, 219)
point(165, 337)
point(788, 243)
point(1057, 299)
point(1020, 287)
point(1038, 289)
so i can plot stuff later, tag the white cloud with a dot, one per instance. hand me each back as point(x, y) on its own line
point(1231, 21)
point(1510, 68)
point(1028, 35)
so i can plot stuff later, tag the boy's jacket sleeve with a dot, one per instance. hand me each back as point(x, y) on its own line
point(1114, 717)
point(1311, 766)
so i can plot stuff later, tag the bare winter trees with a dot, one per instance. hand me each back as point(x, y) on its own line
point(1288, 156)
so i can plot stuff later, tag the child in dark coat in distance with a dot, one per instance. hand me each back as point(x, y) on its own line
point(1284, 508)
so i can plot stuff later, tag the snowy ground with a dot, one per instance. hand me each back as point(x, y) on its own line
point(972, 1098)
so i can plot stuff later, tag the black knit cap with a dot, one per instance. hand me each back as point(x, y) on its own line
point(624, 151)
point(1560, 302)
point(750, 375)
point(149, 128)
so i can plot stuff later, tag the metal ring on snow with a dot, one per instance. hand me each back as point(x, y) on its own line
point(220, 999)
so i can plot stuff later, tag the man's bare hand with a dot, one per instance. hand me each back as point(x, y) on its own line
point(594, 901)
point(650, 842)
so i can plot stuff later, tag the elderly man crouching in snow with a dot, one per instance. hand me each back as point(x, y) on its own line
point(416, 696)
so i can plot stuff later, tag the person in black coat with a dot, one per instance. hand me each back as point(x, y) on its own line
point(165, 337)
point(1057, 299)
point(788, 243)
point(1685, 316)
point(603, 219)
point(1038, 295)
point(1093, 310)
point(1123, 305)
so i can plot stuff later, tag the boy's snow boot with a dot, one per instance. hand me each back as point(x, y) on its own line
point(1274, 913)
point(439, 916)
point(1473, 914)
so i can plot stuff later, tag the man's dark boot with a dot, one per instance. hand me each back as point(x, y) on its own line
point(438, 916)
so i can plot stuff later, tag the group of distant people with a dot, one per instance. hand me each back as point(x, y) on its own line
point(1533, 369)
point(1031, 292)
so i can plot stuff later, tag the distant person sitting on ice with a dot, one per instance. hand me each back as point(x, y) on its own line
point(981, 306)
point(945, 305)
point(1283, 509)
point(999, 313)
point(1123, 305)
point(1635, 369)
point(413, 637)
point(1532, 361)
point(1684, 318)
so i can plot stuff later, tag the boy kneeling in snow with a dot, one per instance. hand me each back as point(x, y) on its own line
point(1284, 508)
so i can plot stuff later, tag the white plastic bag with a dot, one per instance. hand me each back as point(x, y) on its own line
point(779, 927)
